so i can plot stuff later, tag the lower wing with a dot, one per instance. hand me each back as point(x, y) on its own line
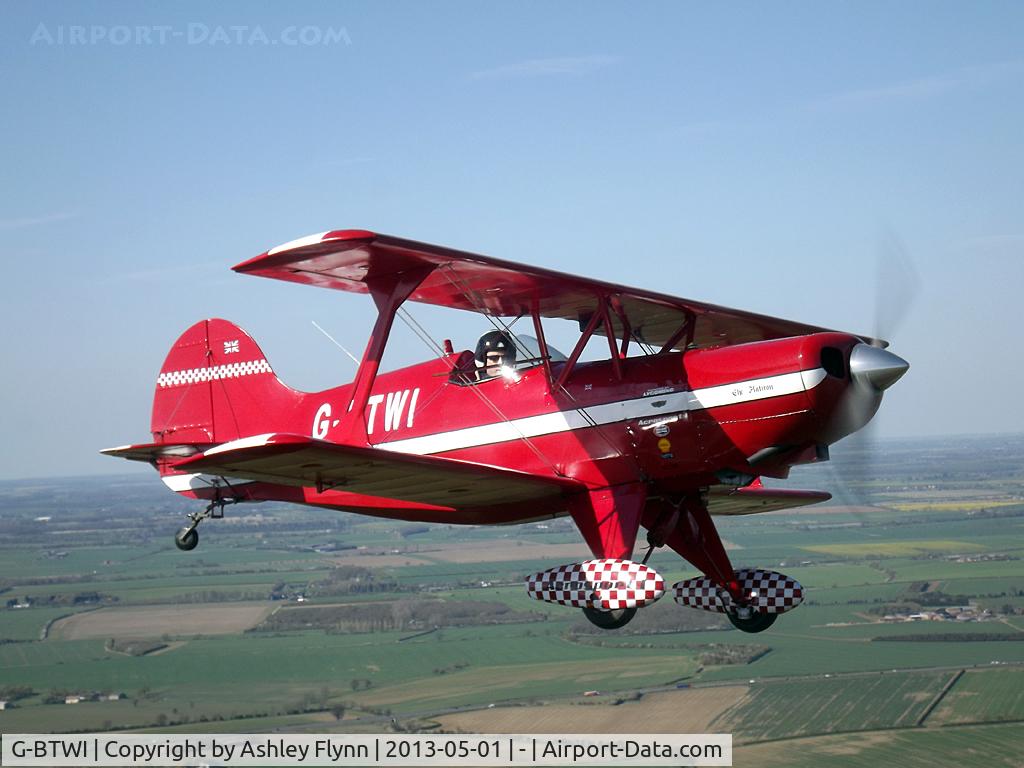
point(297, 460)
point(756, 498)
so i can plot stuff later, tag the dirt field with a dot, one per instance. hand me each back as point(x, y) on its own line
point(496, 551)
point(689, 711)
point(377, 561)
point(501, 551)
point(478, 552)
point(158, 620)
point(781, 753)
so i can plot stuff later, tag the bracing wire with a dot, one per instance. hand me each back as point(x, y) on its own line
point(336, 342)
point(420, 331)
point(498, 324)
point(425, 337)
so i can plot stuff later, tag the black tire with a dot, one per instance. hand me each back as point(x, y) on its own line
point(756, 622)
point(187, 540)
point(609, 619)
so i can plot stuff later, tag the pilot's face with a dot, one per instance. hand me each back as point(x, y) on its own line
point(494, 360)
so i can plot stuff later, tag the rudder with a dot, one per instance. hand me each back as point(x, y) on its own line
point(216, 385)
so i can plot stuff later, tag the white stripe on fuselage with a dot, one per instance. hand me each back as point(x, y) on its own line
point(660, 405)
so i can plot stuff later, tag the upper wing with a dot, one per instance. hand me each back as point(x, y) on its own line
point(756, 498)
point(304, 461)
point(343, 259)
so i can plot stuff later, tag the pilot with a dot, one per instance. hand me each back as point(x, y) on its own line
point(494, 351)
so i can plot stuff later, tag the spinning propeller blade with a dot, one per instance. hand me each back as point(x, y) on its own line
point(874, 369)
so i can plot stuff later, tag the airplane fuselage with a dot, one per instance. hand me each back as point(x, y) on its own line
point(676, 421)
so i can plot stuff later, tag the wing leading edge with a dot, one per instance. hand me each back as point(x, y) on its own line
point(756, 498)
point(345, 259)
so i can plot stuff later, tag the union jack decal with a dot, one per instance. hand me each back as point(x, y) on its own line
point(230, 346)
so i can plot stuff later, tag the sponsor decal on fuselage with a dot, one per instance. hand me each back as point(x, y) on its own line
point(659, 391)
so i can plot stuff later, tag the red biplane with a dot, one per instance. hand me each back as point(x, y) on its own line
point(692, 405)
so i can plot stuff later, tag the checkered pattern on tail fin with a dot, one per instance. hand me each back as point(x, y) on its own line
point(216, 385)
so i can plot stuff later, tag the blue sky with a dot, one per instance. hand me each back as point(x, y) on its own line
point(749, 155)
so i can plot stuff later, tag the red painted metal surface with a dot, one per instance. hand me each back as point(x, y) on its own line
point(341, 259)
point(629, 442)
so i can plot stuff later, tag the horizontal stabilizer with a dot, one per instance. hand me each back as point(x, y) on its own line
point(150, 452)
point(298, 460)
point(756, 498)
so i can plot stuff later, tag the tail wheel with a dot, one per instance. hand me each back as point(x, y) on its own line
point(755, 622)
point(609, 619)
point(187, 539)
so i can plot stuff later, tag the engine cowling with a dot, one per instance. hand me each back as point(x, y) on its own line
point(765, 591)
point(605, 584)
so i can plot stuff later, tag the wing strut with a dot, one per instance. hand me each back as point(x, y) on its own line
point(609, 332)
point(686, 328)
point(389, 292)
point(567, 369)
point(542, 343)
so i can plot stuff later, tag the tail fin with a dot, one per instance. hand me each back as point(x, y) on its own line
point(216, 385)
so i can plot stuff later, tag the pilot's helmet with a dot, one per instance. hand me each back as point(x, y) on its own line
point(495, 343)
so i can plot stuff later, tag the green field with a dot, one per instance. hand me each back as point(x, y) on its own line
point(28, 624)
point(896, 548)
point(785, 709)
point(983, 696)
point(986, 746)
point(824, 692)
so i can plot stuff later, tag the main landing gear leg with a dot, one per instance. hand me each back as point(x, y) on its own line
point(695, 537)
point(187, 538)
